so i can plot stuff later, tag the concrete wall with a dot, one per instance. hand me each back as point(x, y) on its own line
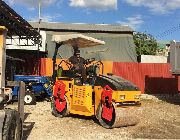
point(153, 59)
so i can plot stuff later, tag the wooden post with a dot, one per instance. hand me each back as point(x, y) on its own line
point(21, 100)
point(3, 32)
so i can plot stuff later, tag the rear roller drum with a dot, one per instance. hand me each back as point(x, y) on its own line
point(60, 108)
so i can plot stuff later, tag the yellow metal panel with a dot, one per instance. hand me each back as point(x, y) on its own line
point(69, 86)
point(82, 113)
point(129, 96)
point(108, 65)
point(82, 101)
point(98, 91)
point(3, 32)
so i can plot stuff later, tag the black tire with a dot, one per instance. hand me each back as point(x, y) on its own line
point(29, 98)
point(12, 126)
point(102, 121)
point(56, 113)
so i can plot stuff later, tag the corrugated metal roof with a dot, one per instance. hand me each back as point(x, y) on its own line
point(82, 27)
point(16, 25)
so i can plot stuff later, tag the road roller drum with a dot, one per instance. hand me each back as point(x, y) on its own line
point(121, 116)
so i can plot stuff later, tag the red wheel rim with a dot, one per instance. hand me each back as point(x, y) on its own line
point(107, 113)
point(60, 105)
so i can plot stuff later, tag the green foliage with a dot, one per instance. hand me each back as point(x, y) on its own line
point(146, 44)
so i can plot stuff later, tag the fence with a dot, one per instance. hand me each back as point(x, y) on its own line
point(151, 78)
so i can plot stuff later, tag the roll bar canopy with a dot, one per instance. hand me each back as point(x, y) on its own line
point(79, 40)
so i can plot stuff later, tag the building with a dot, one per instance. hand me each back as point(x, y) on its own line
point(163, 48)
point(119, 45)
point(19, 30)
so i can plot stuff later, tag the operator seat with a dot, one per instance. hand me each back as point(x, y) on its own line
point(72, 74)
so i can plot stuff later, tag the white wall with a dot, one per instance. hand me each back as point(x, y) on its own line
point(153, 59)
point(15, 44)
point(175, 57)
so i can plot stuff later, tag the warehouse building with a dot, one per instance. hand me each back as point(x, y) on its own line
point(119, 45)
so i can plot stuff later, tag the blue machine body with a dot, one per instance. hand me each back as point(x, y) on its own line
point(40, 84)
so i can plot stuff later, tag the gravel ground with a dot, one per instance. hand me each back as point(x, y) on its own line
point(160, 120)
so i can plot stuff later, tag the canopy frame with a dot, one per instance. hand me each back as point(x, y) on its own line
point(77, 40)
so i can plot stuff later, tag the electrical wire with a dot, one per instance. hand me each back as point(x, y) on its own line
point(168, 32)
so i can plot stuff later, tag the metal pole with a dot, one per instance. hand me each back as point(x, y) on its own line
point(38, 69)
point(54, 60)
point(39, 10)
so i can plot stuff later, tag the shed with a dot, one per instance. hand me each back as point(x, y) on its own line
point(119, 45)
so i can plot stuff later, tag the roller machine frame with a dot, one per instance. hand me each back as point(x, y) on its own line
point(113, 100)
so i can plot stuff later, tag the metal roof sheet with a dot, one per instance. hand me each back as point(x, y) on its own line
point(82, 27)
point(16, 25)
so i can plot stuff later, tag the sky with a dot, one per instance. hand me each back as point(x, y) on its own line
point(160, 18)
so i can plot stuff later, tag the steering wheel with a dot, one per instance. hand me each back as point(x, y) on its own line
point(88, 61)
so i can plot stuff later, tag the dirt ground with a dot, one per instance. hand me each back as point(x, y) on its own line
point(160, 120)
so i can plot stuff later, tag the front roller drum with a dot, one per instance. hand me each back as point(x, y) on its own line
point(60, 103)
point(121, 116)
point(60, 108)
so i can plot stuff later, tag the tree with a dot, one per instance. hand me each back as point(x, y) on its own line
point(146, 44)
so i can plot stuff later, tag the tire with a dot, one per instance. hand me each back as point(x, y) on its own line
point(56, 113)
point(29, 98)
point(12, 126)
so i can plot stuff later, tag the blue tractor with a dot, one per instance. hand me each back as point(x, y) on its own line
point(36, 87)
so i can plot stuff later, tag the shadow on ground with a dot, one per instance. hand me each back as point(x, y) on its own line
point(171, 98)
point(165, 89)
point(27, 127)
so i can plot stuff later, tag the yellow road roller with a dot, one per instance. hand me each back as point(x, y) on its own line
point(114, 101)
